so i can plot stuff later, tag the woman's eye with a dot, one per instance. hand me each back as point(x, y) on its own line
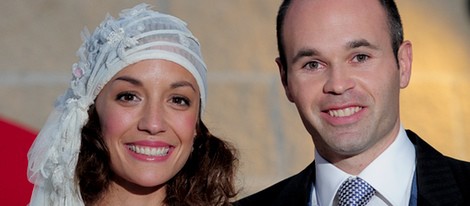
point(360, 58)
point(183, 101)
point(127, 97)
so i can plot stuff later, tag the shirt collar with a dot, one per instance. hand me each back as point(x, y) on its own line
point(390, 172)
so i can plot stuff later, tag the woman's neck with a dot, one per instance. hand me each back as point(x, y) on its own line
point(130, 195)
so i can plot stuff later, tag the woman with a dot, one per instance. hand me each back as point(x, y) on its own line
point(128, 131)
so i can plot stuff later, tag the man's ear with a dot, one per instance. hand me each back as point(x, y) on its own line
point(405, 59)
point(283, 75)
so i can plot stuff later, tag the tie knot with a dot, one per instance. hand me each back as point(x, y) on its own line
point(355, 192)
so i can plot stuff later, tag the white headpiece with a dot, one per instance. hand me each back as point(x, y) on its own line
point(138, 34)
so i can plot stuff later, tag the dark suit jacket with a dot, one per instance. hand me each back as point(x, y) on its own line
point(440, 180)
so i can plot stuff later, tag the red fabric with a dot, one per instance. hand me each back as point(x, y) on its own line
point(15, 188)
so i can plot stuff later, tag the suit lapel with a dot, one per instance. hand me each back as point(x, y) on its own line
point(298, 191)
point(436, 183)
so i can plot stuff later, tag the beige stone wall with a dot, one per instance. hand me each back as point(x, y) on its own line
point(246, 103)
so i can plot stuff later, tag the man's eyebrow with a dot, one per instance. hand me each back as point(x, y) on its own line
point(305, 52)
point(308, 52)
point(360, 43)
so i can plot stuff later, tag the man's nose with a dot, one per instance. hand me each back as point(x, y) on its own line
point(339, 81)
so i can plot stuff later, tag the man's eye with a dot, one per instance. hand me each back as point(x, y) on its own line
point(313, 65)
point(360, 58)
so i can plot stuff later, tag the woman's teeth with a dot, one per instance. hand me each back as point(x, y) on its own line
point(149, 151)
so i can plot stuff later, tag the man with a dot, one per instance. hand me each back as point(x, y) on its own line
point(343, 63)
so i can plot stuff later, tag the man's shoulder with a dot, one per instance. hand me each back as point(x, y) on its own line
point(426, 152)
point(460, 170)
point(427, 155)
point(295, 188)
point(441, 179)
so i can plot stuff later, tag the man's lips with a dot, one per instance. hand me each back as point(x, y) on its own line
point(344, 112)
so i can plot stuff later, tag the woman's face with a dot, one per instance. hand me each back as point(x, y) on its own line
point(148, 114)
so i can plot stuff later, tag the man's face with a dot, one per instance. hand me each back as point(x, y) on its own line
point(343, 76)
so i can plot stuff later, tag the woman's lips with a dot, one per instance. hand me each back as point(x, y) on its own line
point(149, 151)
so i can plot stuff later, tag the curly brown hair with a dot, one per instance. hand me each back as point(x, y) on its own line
point(207, 178)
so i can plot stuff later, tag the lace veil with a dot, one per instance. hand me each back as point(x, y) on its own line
point(138, 34)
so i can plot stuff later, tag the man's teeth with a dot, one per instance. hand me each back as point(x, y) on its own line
point(344, 112)
point(149, 151)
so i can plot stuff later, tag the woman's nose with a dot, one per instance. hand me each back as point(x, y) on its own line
point(152, 120)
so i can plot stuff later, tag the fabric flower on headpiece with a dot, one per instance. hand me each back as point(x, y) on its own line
point(117, 38)
point(77, 71)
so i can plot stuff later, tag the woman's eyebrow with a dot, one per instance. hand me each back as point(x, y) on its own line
point(182, 84)
point(129, 79)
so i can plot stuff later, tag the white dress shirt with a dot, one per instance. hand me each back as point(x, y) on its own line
point(391, 174)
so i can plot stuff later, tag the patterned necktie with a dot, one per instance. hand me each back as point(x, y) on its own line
point(355, 192)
